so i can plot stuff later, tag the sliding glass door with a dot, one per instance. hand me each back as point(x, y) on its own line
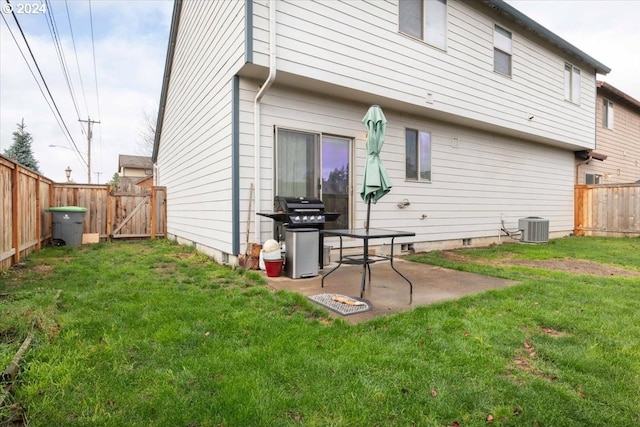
point(335, 179)
point(315, 165)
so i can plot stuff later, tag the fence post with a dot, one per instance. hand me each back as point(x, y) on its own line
point(109, 225)
point(153, 212)
point(38, 215)
point(577, 210)
point(164, 212)
point(15, 211)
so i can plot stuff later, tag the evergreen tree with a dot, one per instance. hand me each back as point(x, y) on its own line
point(115, 180)
point(20, 151)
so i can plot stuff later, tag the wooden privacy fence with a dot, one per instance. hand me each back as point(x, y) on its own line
point(126, 212)
point(112, 213)
point(24, 196)
point(607, 210)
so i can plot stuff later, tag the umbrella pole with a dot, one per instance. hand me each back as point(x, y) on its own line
point(366, 224)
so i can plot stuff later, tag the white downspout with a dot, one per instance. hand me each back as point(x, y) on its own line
point(256, 115)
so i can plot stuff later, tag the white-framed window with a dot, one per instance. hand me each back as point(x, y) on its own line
point(592, 178)
point(607, 114)
point(571, 83)
point(425, 20)
point(501, 50)
point(418, 155)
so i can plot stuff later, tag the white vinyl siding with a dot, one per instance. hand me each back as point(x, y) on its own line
point(194, 158)
point(331, 43)
point(336, 58)
point(479, 179)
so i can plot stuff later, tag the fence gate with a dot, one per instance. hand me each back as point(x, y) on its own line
point(137, 212)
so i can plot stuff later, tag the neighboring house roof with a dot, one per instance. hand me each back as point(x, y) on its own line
point(498, 5)
point(134, 162)
point(609, 91)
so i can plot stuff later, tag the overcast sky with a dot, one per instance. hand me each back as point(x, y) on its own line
point(606, 30)
point(130, 42)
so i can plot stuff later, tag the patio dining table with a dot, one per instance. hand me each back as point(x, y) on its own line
point(365, 259)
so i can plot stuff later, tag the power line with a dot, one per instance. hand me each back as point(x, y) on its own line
point(58, 119)
point(73, 41)
point(15, 18)
point(95, 68)
point(53, 30)
point(95, 71)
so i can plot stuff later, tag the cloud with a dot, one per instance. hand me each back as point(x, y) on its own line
point(130, 46)
point(608, 31)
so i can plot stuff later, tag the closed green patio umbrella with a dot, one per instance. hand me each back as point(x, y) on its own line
point(376, 182)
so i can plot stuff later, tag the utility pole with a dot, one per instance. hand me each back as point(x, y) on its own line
point(89, 122)
point(98, 175)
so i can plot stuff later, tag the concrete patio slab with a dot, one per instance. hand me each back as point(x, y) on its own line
point(388, 292)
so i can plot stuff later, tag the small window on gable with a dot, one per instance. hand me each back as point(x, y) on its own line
point(607, 114)
point(501, 50)
point(592, 178)
point(418, 155)
point(425, 20)
point(571, 83)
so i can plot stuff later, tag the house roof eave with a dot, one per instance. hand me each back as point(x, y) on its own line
point(610, 91)
point(175, 21)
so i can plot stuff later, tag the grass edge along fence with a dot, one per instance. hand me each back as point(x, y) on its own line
point(25, 224)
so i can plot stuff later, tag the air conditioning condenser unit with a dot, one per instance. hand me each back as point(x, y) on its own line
point(534, 229)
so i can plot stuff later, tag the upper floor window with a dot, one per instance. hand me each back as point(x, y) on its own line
point(571, 83)
point(592, 178)
point(418, 155)
point(424, 19)
point(607, 114)
point(501, 50)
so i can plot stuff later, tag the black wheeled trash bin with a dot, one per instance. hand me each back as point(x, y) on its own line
point(67, 225)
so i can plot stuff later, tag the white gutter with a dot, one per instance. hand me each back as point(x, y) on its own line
point(256, 115)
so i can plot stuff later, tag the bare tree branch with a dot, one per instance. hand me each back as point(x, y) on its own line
point(147, 133)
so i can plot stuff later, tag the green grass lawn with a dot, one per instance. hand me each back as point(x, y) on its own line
point(151, 333)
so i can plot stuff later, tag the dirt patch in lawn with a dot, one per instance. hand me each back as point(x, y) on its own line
point(568, 265)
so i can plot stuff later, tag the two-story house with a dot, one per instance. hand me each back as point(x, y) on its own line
point(136, 170)
point(485, 110)
point(617, 138)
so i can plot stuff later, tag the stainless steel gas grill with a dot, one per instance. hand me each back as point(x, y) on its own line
point(299, 212)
